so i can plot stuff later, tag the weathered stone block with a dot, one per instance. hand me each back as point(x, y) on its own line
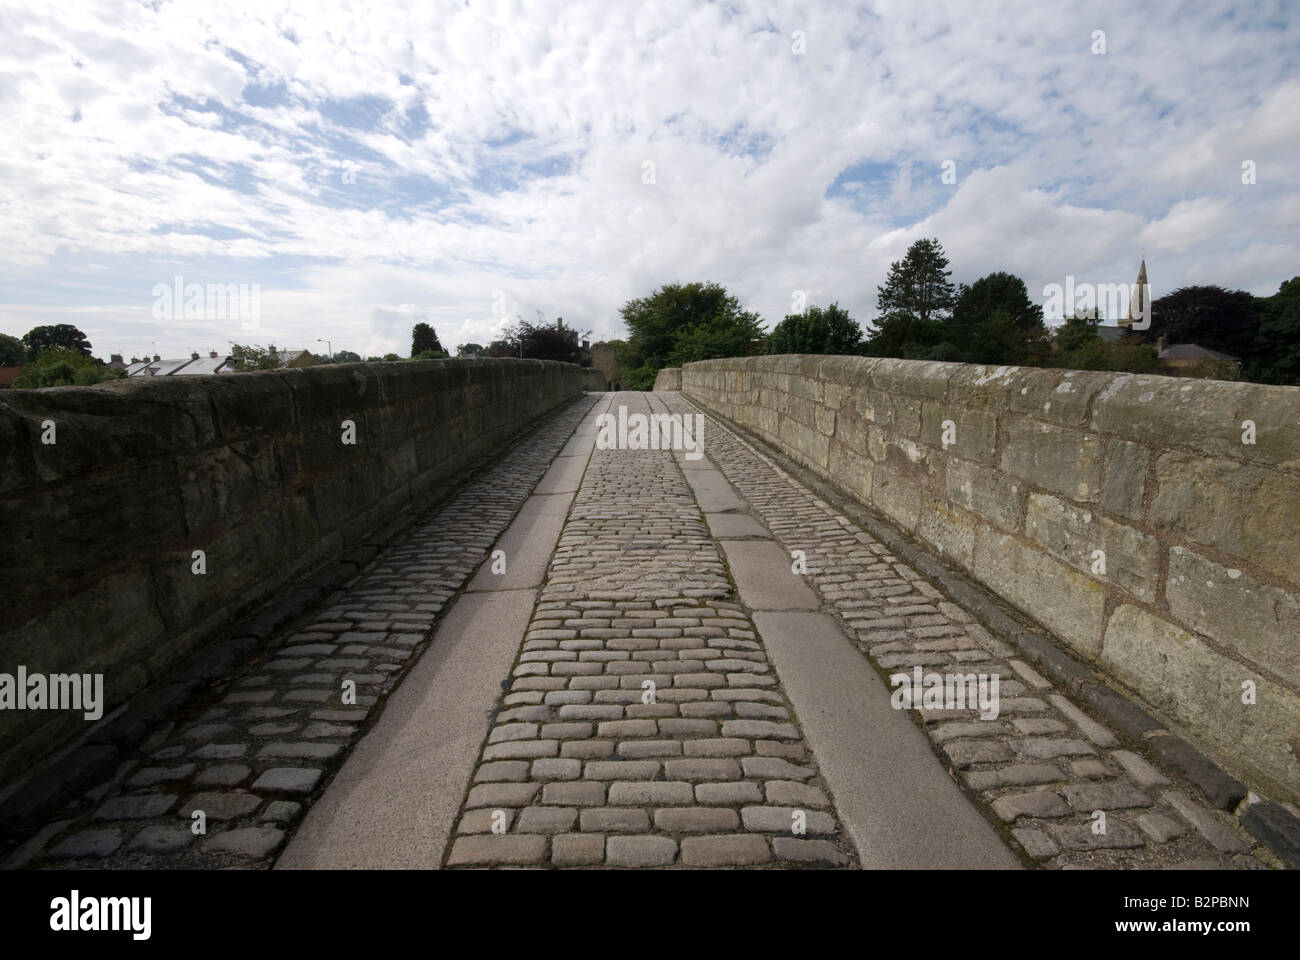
point(1058, 458)
point(1124, 483)
point(1259, 621)
point(1201, 688)
point(1235, 507)
point(990, 495)
point(1067, 602)
point(1129, 558)
point(974, 433)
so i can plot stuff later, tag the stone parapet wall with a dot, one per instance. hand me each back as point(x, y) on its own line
point(669, 378)
point(1123, 512)
point(100, 526)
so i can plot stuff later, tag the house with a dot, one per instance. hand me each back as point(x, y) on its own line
point(195, 366)
point(1183, 355)
point(8, 375)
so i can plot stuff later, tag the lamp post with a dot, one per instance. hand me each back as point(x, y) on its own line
point(328, 346)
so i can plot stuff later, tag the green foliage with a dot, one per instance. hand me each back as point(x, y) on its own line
point(545, 342)
point(431, 355)
point(1080, 347)
point(424, 339)
point(347, 356)
point(914, 304)
point(730, 333)
point(253, 357)
point(681, 323)
point(390, 357)
point(1208, 316)
point(306, 359)
point(65, 366)
point(470, 350)
point(1079, 333)
point(502, 348)
point(38, 339)
point(1275, 355)
point(995, 322)
point(13, 352)
point(817, 330)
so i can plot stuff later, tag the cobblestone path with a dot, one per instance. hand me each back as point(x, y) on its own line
point(250, 758)
point(642, 723)
point(643, 726)
point(1043, 765)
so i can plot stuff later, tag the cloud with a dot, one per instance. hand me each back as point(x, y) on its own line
point(373, 165)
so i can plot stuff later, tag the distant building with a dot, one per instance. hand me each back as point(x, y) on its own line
point(1184, 355)
point(194, 366)
point(603, 359)
point(8, 375)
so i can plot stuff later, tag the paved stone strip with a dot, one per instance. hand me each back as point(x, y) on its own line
point(1044, 767)
point(252, 760)
point(643, 725)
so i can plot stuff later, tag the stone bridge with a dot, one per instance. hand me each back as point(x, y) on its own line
point(456, 614)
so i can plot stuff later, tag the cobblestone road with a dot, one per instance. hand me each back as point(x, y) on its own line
point(251, 758)
point(642, 723)
point(1044, 767)
point(643, 726)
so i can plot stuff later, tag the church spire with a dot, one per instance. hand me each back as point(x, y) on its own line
point(1139, 303)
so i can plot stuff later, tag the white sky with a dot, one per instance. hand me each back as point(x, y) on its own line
point(499, 152)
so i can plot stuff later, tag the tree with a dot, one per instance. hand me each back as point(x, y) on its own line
point(731, 333)
point(423, 338)
point(13, 353)
point(1274, 356)
point(1080, 347)
point(1209, 316)
point(545, 342)
point(347, 356)
point(470, 350)
point(502, 348)
point(816, 330)
point(1078, 332)
point(914, 303)
point(65, 366)
point(253, 357)
point(994, 322)
point(679, 323)
point(58, 335)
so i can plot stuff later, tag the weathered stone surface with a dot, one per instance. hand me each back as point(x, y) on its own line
point(1075, 535)
point(88, 843)
point(251, 468)
point(1201, 688)
point(1258, 620)
point(136, 808)
point(287, 780)
point(1058, 458)
point(1025, 576)
point(161, 839)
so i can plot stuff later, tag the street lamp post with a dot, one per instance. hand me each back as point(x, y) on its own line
point(329, 345)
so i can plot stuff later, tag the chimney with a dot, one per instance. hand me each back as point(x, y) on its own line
point(115, 358)
point(559, 323)
point(586, 344)
point(194, 355)
point(272, 349)
point(212, 354)
point(156, 358)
